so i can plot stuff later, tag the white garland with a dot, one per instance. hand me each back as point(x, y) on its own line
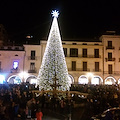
point(53, 62)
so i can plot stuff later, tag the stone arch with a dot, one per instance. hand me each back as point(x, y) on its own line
point(119, 81)
point(83, 79)
point(14, 79)
point(96, 80)
point(71, 79)
point(110, 80)
point(32, 79)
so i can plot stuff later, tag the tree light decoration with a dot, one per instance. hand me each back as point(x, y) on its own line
point(53, 62)
point(55, 13)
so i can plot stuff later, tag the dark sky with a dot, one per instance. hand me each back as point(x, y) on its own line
point(77, 19)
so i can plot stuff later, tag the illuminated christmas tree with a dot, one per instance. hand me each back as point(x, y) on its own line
point(53, 63)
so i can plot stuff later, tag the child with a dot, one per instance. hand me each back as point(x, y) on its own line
point(39, 114)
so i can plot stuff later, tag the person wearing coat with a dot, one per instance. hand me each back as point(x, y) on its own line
point(39, 114)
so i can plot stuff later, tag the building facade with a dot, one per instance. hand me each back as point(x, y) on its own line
point(88, 62)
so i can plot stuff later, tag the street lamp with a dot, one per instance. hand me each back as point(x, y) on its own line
point(23, 75)
point(89, 76)
point(2, 79)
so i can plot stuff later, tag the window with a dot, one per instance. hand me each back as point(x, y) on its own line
point(73, 65)
point(84, 66)
point(84, 44)
point(32, 55)
point(109, 69)
point(65, 51)
point(84, 53)
point(15, 65)
point(32, 66)
point(73, 52)
point(74, 43)
point(109, 56)
point(96, 53)
point(96, 66)
point(110, 44)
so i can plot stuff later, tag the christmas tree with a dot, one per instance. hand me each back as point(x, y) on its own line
point(53, 62)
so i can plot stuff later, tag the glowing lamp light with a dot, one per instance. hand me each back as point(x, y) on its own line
point(90, 74)
point(2, 79)
point(55, 13)
point(33, 81)
point(95, 81)
point(23, 74)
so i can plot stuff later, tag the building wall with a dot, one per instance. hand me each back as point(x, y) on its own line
point(115, 50)
point(29, 60)
point(24, 57)
point(7, 59)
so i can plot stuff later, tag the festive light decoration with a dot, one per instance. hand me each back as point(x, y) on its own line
point(53, 62)
point(55, 13)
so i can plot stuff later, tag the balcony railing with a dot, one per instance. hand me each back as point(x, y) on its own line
point(109, 59)
point(99, 70)
point(15, 70)
point(78, 69)
point(32, 71)
point(85, 56)
point(32, 57)
point(110, 47)
point(112, 72)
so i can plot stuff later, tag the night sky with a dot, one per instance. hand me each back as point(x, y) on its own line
point(77, 19)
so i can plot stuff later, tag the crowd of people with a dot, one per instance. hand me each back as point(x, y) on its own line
point(100, 98)
point(19, 101)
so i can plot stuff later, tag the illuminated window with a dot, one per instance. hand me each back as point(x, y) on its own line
point(15, 64)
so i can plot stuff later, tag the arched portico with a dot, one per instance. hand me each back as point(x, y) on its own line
point(110, 80)
point(14, 79)
point(83, 79)
point(71, 79)
point(32, 79)
point(119, 81)
point(96, 80)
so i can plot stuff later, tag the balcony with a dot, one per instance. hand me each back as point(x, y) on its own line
point(110, 47)
point(85, 56)
point(112, 72)
point(99, 70)
point(109, 59)
point(79, 69)
point(32, 71)
point(32, 58)
point(14, 70)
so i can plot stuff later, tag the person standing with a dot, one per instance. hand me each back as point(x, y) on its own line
point(39, 114)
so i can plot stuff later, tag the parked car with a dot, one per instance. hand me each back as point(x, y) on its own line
point(109, 114)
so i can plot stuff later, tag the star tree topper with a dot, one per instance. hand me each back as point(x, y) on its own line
point(55, 13)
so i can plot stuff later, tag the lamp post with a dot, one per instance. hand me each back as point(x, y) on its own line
point(23, 75)
point(89, 76)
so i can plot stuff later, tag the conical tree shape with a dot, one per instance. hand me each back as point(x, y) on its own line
point(53, 62)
